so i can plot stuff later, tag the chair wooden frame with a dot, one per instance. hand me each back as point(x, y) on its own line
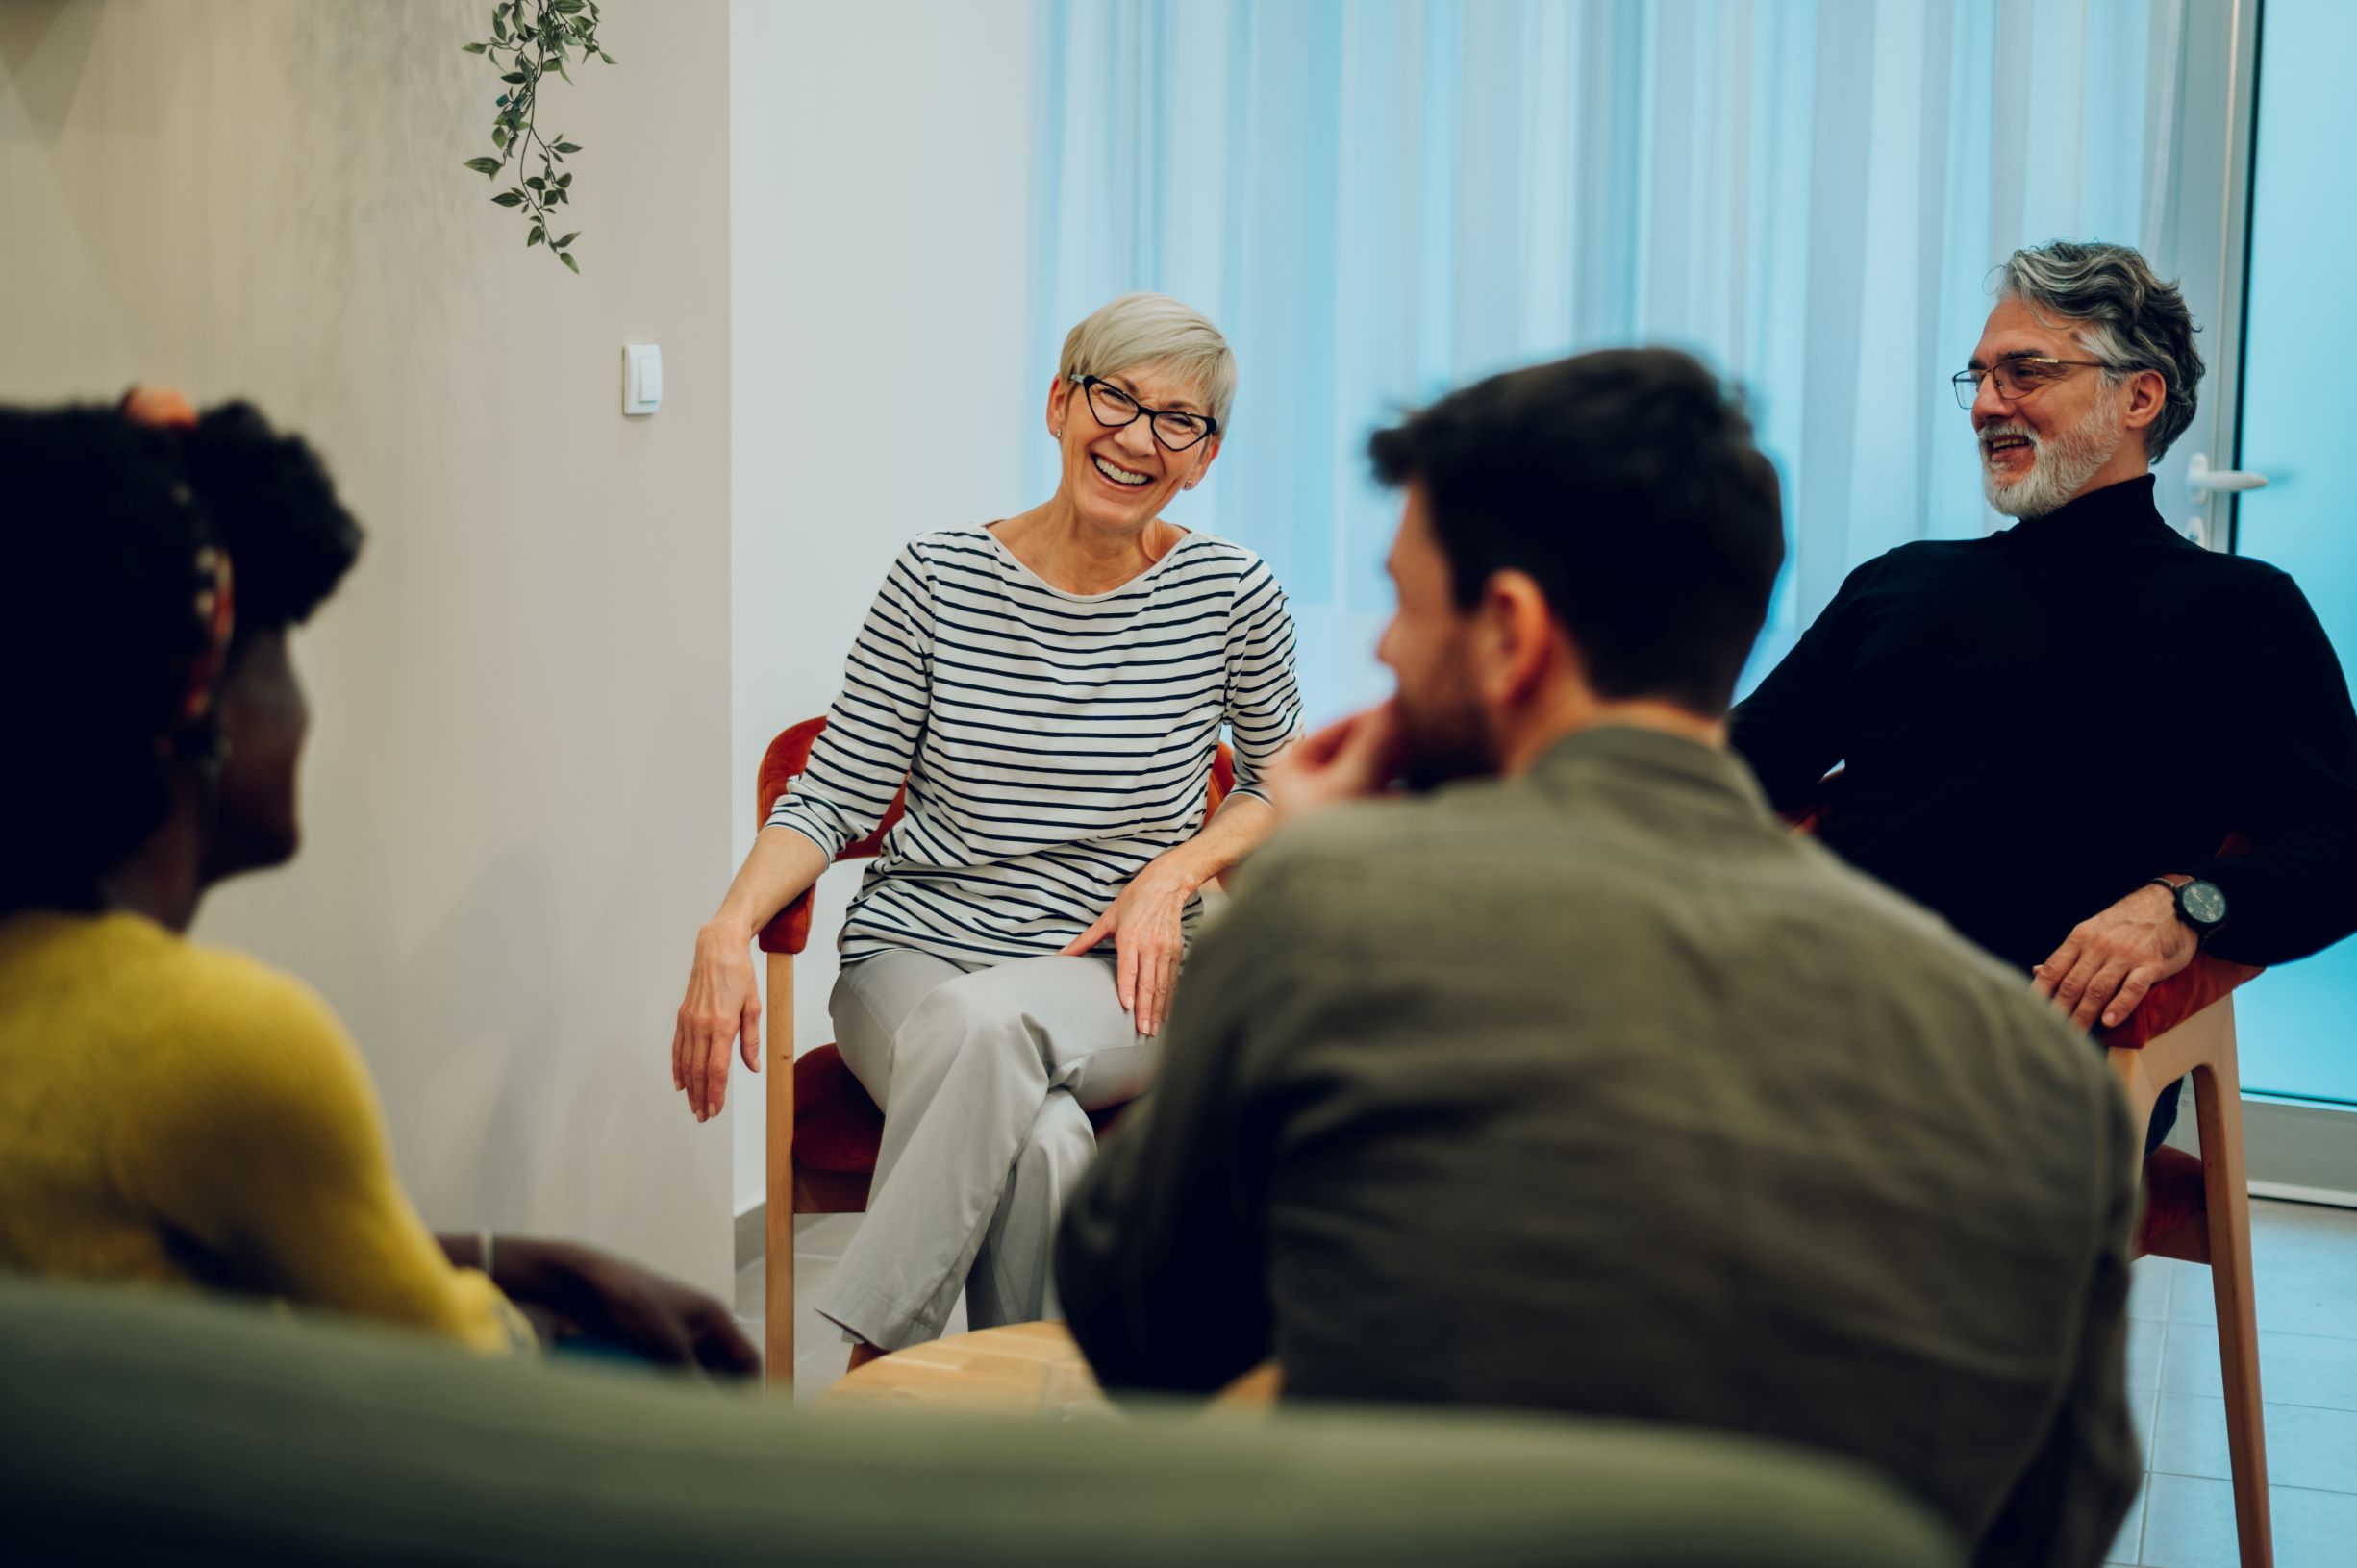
point(791, 1186)
point(2185, 1028)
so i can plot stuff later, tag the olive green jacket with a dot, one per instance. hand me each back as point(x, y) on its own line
point(1597, 1089)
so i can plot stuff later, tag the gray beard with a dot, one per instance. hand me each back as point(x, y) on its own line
point(2058, 467)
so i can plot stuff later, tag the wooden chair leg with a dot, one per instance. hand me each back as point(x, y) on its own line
point(2218, 1109)
point(778, 1227)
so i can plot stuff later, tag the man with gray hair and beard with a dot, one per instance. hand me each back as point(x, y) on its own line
point(2047, 733)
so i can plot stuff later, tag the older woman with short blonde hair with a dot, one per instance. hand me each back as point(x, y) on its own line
point(1052, 686)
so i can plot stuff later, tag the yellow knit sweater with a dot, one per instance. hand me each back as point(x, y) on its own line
point(179, 1114)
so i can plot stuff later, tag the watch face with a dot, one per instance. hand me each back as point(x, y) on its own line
point(2203, 902)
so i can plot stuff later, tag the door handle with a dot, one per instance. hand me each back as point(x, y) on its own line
point(2203, 480)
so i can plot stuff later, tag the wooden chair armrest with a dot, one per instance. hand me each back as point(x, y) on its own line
point(789, 930)
point(2201, 984)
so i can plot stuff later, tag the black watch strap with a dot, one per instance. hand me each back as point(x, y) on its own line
point(2177, 885)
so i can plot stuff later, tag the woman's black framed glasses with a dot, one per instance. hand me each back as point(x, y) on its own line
point(1174, 428)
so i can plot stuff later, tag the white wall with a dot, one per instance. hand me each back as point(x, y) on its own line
point(518, 795)
point(880, 163)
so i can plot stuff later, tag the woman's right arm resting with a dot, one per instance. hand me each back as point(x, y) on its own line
point(856, 765)
point(722, 1006)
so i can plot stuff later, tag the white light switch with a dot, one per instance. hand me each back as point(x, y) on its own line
point(641, 378)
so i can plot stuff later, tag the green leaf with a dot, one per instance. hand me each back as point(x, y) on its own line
point(566, 8)
point(499, 135)
point(536, 182)
point(485, 166)
point(568, 239)
point(474, 48)
point(607, 58)
point(564, 181)
point(538, 234)
point(516, 77)
point(568, 262)
point(568, 147)
point(509, 198)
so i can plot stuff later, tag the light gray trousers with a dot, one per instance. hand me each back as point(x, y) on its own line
point(985, 1078)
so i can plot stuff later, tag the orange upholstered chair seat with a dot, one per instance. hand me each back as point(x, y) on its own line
point(838, 1126)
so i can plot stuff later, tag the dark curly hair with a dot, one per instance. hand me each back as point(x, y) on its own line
point(102, 521)
point(290, 539)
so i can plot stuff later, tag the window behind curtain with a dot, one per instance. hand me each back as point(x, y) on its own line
point(1380, 199)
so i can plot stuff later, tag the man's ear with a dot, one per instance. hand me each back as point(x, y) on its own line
point(1516, 638)
point(2147, 395)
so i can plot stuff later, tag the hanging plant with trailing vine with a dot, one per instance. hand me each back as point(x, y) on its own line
point(530, 39)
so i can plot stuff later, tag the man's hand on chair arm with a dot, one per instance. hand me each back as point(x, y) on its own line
point(2109, 961)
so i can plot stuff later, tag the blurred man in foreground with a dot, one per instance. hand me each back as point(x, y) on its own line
point(1576, 1081)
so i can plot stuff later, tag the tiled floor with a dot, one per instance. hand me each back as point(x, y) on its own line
point(2306, 1263)
point(2307, 1287)
point(819, 1351)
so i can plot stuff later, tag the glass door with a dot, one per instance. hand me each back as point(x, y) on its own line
point(2257, 217)
point(2297, 1025)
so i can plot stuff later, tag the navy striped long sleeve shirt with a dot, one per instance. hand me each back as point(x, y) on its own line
point(1053, 744)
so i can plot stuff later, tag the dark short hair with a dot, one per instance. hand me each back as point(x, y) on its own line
point(101, 521)
point(1627, 485)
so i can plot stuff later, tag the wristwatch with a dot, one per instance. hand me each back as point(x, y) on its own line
point(2199, 903)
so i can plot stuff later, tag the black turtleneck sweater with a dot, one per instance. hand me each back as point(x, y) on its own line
point(2034, 724)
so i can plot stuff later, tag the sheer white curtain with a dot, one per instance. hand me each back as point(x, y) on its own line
point(1378, 199)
